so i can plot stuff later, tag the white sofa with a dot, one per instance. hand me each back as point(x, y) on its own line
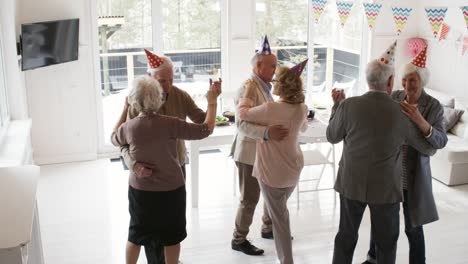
point(450, 165)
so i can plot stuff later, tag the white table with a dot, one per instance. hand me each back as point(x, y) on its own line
point(316, 133)
point(222, 135)
point(20, 239)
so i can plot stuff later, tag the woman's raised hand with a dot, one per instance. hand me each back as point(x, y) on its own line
point(214, 91)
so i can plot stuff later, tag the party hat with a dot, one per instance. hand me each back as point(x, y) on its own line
point(154, 60)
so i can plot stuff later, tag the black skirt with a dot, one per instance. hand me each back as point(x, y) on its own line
point(157, 216)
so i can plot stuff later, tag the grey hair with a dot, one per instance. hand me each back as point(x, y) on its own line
point(422, 72)
point(378, 74)
point(146, 95)
point(255, 59)
point(167, 64)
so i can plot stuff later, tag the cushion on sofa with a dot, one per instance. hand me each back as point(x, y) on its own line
point(444, 99)
point(461, 127)
point(451, 117)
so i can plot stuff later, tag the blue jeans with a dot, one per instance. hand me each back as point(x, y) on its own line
point(385, 220)
point(417, 248)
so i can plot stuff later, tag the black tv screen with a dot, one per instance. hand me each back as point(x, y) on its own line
point(48, 43)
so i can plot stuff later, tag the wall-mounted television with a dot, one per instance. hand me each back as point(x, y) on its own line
point(48, 43)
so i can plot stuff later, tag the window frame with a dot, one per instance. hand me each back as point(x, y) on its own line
point(4, 106)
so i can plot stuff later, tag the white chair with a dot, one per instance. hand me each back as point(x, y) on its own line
point(178, 74)
point(317, 88)
point(314, 157)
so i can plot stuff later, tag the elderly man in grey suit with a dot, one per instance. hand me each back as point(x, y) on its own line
point(244, 149)
point(372, 128)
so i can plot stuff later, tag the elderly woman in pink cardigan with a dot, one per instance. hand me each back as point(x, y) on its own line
point(278, 164)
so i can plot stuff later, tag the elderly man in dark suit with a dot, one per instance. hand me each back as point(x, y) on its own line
point(373, 129)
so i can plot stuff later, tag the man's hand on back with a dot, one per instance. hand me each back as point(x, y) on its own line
point(141, 170)
point(277, 132)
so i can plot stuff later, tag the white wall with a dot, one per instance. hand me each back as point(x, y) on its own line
point(62, 98)
point(449, 69)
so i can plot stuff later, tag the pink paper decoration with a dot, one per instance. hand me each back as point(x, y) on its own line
point(414, 46)
point(444, 31)
point(465, 45)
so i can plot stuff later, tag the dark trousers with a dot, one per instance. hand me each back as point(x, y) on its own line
point(415, 235)
point(155, 251)
point(385, 221)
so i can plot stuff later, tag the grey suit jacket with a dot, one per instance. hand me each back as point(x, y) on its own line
point(421, 204)
point(373, 129)
point(244, 147)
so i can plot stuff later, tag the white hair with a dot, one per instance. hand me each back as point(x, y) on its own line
point(167, 64)
point(255, 59)
point(378, 74)
point(146, 95)
point(422, 72)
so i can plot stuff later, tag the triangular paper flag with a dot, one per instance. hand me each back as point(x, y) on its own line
point(436, 16)
point(344, 9)
point(318, 6)
point(401, 16)
point(420, 60)
point(388, 57)
point(154, 60)
point(372, 12)
point(444, 31)
point(465, 14)
point(465, 45)
point(297, 70)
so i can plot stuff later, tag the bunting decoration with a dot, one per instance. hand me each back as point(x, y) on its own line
point(318, 6)
point(465, 14)
point(344, 9)
point(444, 31)
point(465, 45)
point(372, 12)
point(401, 16)
point(436, 17)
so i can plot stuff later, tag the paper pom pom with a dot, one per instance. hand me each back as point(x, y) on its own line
point(414, 46)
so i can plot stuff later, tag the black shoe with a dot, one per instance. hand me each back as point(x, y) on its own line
point(269, 235)
point(247, 248)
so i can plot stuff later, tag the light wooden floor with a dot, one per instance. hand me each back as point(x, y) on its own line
point(84, 219)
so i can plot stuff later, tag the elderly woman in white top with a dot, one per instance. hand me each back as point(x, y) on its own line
point(426, 112)
point(278, 164)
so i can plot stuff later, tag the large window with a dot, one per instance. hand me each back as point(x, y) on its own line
point(286, 25)
point(124, 28)
point(190, 34)
point(192, 39)
point(337, 52)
